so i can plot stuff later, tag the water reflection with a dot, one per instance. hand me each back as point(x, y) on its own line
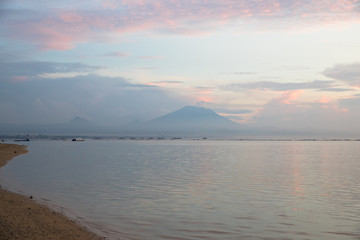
point(296, 154)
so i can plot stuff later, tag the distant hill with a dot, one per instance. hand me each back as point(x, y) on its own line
point(78, 122)
point(189, 120)
point(75, 126)
point(192, 117)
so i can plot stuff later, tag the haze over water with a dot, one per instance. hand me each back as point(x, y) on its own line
point(199, 189)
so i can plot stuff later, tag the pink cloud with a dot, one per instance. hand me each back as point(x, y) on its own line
point(53, 39)
point(204, 99)
point(324, 99)
point(108, 5)
point(63, 29)
point(20, 78)
point(289, 96)
point(71, 17)
point(52, 34)
point(204, 95)
point(163, 83)
point(326, 114)
point(116, 54)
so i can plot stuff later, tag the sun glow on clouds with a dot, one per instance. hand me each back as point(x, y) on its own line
point(290, 96)
point(164, 83)
point(324, 99)
point(65, 27)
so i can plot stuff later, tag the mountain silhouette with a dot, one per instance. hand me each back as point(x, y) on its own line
point(192, 117)
point(188, 121)
point(79, 122)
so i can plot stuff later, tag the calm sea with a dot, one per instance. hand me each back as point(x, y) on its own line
point(181, 189)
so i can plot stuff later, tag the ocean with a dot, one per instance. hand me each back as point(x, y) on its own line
point(208, 189)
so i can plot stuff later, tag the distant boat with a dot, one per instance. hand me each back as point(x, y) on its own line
point(78, 139)
point(22, 140)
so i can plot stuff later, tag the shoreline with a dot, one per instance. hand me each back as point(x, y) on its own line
point(22, 217)
point(9, 151)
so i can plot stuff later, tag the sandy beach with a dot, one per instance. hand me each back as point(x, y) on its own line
point(23, 218)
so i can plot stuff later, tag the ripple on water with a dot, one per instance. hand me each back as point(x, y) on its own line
point(200, 190)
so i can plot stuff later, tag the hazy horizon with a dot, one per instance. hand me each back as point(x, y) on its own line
point(281, 64)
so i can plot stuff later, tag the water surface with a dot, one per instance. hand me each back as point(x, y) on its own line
point(199, 189)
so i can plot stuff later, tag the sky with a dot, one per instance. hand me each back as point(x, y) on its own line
point(287, 64)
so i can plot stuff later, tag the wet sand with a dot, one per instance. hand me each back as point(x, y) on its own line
point(23, 218)
point(8, 151)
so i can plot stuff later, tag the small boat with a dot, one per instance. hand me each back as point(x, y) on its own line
point(22, 140)
point(78, 139)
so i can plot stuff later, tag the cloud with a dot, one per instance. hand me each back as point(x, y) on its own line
point(233, 117)
point(146, 68)
point(20, 71)
point(61, 26)
point(164, 83)
point(324, 99)
point(116, 54)
point(325, 116)
point(289, 96)
point(44, 91)
point(204, 88)
point(236, 112)
point(351, 102)
point(239, 116)
point(347, 73)
point(239, 73)
point(150, 57)
point(48, 36)
point(104, 100)
point(334, 89)
point(278, 86)
point(228, 111)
